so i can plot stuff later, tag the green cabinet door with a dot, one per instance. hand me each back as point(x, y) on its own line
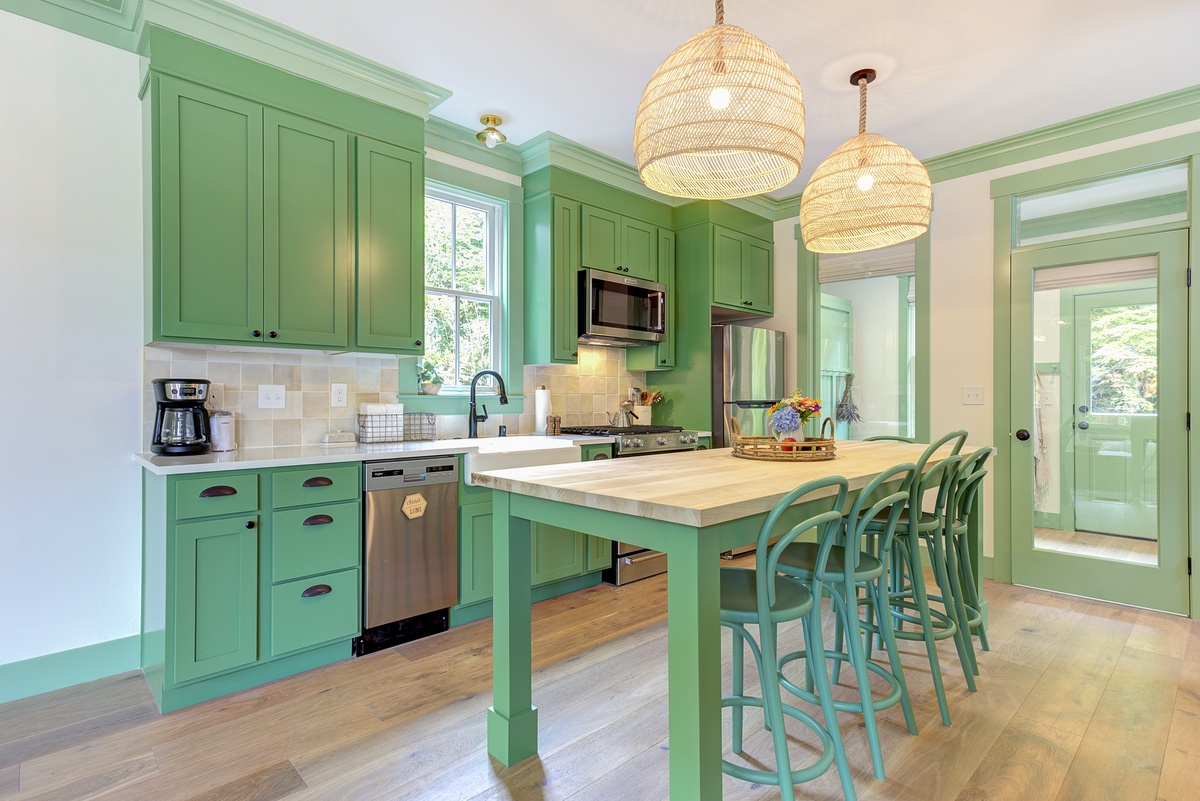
point(599, 554)
point(600, 239)
point(556, 553)
point(564, 315)
point(662, 355)
point(306, 252)
point(474, 553)
point(742, 276)
point(390, 243)
point(208, 200)
point(216, 596)
point(639, 249)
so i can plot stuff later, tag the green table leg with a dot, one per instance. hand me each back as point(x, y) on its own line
point(512, 718)
point(694, 665)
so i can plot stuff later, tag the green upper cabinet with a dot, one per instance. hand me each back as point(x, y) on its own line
point(306, 248)
point(209, 199)
point(551, 281)
point(390, 234)
point(743, 276)
point(662, 355)
point(618, 244)
point(253, 215)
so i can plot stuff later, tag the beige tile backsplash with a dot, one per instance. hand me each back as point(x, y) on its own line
point(581, 393)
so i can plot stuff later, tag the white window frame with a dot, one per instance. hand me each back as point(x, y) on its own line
point(493, 271)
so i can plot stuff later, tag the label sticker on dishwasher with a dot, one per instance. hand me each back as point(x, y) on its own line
point(414, 506)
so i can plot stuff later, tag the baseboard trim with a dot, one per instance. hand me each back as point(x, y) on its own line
point(989, 567)
point(41, 674)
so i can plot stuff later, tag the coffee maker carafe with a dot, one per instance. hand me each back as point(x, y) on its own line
point(181, 422)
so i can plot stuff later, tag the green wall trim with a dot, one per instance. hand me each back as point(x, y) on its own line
point(109, 22)
point(1127, 214)
point(587, 189)
point(1127, 159)
point(989, 567)
point(54, 671)
point(722, 212)
point(458, 140)
point(232, 28)
point(549, 149)
point(1103, 126)
point(1002, 392)
point(788, 207)
point(923, 369)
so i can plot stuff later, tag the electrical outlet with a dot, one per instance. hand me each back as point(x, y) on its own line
point(216, 397)
point(337, 394)
point(972, 396)
point(272, 396)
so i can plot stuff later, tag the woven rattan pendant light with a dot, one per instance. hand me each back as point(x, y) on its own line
point(869, 193)
point(722, 117)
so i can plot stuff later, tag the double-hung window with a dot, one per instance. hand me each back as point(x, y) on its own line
point(462, 285)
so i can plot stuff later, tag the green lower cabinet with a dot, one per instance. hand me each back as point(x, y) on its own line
point(237, 590)
point(216, 600)
point(599, 554)
point(311, 611)
point(556, 553)
point(474, 553)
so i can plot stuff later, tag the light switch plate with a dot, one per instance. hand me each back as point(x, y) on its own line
point(216, 397)
point(272, 396)
point(972, 396)
point(337, 395)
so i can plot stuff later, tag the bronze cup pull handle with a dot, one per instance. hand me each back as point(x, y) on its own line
point(315, 590)
point(318, 481)
point(318, 520)
point(219, 491)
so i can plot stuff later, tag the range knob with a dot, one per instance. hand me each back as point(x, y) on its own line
point(661, 440)
point(634, 443)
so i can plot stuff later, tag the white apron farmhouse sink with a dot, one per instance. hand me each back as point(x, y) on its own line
point(499, 453)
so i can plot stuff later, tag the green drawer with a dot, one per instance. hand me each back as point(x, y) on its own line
point(316, 484)
point(211, 496)
point(299, 622)
point(316, 539)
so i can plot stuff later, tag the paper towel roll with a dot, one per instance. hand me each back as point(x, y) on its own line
point(542, 408)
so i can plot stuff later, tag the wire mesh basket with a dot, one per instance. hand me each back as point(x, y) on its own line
point(381, 427)
point(420, 425)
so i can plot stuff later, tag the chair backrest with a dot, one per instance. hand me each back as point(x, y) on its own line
point(868, 504)
point(967, 483)
point(923, 480)
point(827, 523)
point(889, 438)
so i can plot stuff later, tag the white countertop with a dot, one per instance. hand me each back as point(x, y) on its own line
point(258, 458)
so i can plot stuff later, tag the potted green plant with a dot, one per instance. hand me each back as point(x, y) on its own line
point(429, 380)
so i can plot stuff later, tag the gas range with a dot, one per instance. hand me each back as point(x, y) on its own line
point(641, 440)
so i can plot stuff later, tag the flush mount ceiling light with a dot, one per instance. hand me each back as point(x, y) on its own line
point(722, 117)
point(489, 135)
point(869, 193)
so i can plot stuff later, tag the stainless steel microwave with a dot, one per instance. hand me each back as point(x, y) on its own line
point(619, 310)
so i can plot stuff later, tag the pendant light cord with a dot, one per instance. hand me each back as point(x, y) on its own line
point(862, 104)
point(720, 12)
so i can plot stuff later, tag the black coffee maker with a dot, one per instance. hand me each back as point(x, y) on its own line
point(181, 422)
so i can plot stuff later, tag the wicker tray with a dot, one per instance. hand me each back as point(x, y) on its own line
point(768, 449)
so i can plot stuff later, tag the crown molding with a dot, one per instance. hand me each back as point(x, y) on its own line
point(1133, 118)
point(234, 29)
point(109, 22)
point(550, 149)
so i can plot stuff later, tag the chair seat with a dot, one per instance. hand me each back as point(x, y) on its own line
point(739, 597)
point(801, 558)
point(927, 520)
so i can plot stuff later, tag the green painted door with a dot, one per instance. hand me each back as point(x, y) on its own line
point(729, 251)
point(639, 249)
point(556, 553)
point(662, 355)
point(390, 244)
point(1115, 413)
point(601, 239)
point(209, 198)
point(306, 221)
point(758, 278)
point(216, 596)
point(1052, 440)
point(475, 553)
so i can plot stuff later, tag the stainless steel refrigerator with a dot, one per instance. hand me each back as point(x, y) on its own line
point(748, 376)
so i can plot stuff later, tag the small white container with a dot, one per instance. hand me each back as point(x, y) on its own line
point(222, 431)
point(643, 415)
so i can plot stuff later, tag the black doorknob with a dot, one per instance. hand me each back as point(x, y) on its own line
point(1022, 434)
point(1084, 426)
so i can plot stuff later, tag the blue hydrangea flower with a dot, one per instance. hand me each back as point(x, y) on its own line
point(786, 419)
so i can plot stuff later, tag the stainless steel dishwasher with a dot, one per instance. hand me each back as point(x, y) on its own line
point(410, 549)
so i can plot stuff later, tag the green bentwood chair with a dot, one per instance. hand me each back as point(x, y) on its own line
point(764, 598)
point(962, 500)
point(857, 562)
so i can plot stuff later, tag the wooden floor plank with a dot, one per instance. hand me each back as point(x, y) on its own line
point(1180, 779)
point(1026, 763)
point(269, 784)
point(1121, 754)
point(110, 781)
point(10, 780)
point(1160, 633)
point(72, 706)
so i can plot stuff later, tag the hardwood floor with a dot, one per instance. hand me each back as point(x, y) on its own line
point(1085, 543)
point(1078, 700)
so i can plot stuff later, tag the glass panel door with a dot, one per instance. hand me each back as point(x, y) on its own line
point(1099, 439)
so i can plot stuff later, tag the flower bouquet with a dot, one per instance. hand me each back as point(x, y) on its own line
point(789, 415)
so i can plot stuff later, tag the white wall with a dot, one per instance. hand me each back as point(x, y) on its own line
point(71, 324)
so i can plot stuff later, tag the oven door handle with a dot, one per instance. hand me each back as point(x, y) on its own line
point(633, 560)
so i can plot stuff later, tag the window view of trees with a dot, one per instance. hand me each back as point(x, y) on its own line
point(1125, 359)
point(460, 297)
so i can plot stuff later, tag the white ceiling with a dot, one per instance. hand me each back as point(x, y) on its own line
point(952, 73)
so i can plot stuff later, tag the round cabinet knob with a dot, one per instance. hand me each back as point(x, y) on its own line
point(273, 334)
point(249, 524)
point(1084, 426)
point(418, 342)
point(1022, 434)
point(256, 333)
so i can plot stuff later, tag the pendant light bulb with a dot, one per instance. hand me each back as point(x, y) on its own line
point(866, 181)
point(719, 98)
